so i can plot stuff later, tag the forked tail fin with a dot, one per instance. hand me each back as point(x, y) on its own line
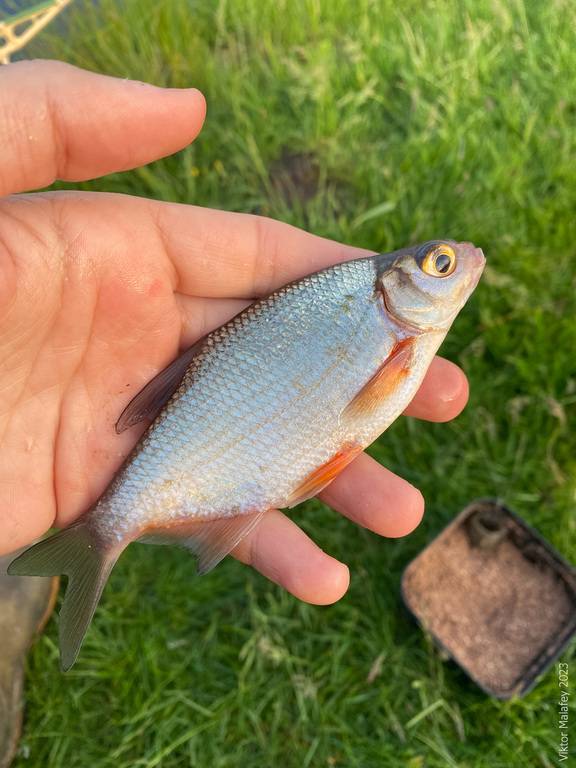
point(77, 553)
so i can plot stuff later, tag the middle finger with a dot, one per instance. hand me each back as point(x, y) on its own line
point(375, 498)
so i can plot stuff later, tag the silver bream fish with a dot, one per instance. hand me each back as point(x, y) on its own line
point(262, 413)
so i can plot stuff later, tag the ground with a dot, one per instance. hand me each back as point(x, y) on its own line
point(379, 124)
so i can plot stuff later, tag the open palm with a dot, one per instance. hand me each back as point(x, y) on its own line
point(98, 292)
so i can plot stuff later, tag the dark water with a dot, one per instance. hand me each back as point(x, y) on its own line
point(10, 7)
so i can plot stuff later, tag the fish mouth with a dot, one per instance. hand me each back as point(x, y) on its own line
point(477, 262)
point(480, 259)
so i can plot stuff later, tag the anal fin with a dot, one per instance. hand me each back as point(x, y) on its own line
point(209, 540)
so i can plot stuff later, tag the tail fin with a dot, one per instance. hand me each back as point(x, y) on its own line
point(77, 553)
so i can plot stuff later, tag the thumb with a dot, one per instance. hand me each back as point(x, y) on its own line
point(61, 122)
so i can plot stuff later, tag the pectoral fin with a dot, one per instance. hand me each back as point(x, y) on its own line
point(323, 475)
point(209, 540)
point(146, 404)
point(384, 382)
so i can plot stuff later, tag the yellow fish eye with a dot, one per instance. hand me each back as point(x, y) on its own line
point(439, 261)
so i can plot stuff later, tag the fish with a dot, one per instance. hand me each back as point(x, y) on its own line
point(262, 413)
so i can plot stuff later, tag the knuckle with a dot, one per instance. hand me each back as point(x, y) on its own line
point(266, 256)
point(31, 132)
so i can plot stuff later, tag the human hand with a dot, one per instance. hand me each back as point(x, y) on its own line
point(100, 291)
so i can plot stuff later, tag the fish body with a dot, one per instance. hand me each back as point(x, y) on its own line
point(264, 404)
point(264, 412)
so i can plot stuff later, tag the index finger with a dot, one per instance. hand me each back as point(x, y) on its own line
point(240, 255)
point(213, 253)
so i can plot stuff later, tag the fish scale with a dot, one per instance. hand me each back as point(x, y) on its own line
point(263, 413)
point(212, 427)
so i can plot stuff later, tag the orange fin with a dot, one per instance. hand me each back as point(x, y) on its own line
point(209, 540)
point(147, 403)
point(319, 478)
point(384, 381)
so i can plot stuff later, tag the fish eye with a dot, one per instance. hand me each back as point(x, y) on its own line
point(439, 261)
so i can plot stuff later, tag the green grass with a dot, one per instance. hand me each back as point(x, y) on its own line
point(424, 119)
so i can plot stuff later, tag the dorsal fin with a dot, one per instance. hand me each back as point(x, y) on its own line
point(146, 404)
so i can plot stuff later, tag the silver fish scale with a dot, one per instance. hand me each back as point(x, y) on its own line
point(260, 407)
